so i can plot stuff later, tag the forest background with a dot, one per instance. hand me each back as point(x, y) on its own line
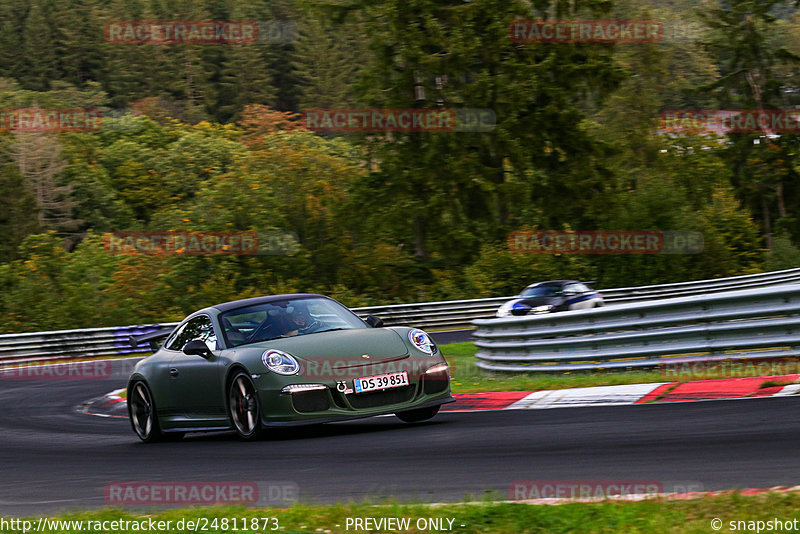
point(207, 138)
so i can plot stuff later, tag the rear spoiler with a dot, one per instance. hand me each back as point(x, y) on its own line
point(152, 338)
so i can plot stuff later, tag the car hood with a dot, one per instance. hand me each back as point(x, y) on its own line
point(343, 348)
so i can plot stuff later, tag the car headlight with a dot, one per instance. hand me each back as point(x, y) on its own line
point(421, 340)
point(505, 309)
point(542, 309)
point(280, 362)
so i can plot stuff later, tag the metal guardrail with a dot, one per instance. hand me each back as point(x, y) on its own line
point(461, 313)
point(745, 324)
point(92, 342)
point(629, 294)
point(66, 344)
point(432, 315)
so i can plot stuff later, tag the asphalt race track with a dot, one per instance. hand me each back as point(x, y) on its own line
point(54, 458)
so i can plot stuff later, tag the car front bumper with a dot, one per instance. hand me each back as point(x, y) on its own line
point(331, 403)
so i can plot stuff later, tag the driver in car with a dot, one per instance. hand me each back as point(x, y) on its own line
point(301, 322)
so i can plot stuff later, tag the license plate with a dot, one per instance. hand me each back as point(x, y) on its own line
point(390, 380)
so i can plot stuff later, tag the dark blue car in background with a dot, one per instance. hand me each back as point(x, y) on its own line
point(552, 296)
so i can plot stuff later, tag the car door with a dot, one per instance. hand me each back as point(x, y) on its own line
point(578, 296)
point(195, 382)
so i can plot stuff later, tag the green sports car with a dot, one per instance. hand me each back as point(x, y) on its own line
point(282, 360)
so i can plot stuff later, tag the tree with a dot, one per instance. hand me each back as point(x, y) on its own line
point(15, 220)
point(244, 81)
point(326, 62)
point(762, 172)
point(39, 62)
point(78, 41)
point(12, 15)
point(40, 162)
point(97, 204)
point(245, 77)
point(449, 192)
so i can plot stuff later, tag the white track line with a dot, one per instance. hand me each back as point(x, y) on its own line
point(593, 396)
point(791, 389)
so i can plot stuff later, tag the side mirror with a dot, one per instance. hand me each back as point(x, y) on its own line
point(374, 322)
point(197, 348)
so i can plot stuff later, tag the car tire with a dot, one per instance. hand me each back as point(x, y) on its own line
point(420, 414)
point(244, 408)
point(142, 413)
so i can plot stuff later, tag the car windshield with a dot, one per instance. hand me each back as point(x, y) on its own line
point(286, 318)
point(542, 291)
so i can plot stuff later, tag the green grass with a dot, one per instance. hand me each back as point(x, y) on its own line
point(468, 378)
point(775, 383)
point(662, 516)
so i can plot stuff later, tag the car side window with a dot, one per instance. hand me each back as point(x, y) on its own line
point(574, 289)
point(583, 288)
point(198, 328)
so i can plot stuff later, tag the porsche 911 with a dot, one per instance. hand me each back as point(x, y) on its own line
point(282, 360)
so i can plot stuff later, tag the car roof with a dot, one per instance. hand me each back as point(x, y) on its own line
point(554, 283)
point(234, 304)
